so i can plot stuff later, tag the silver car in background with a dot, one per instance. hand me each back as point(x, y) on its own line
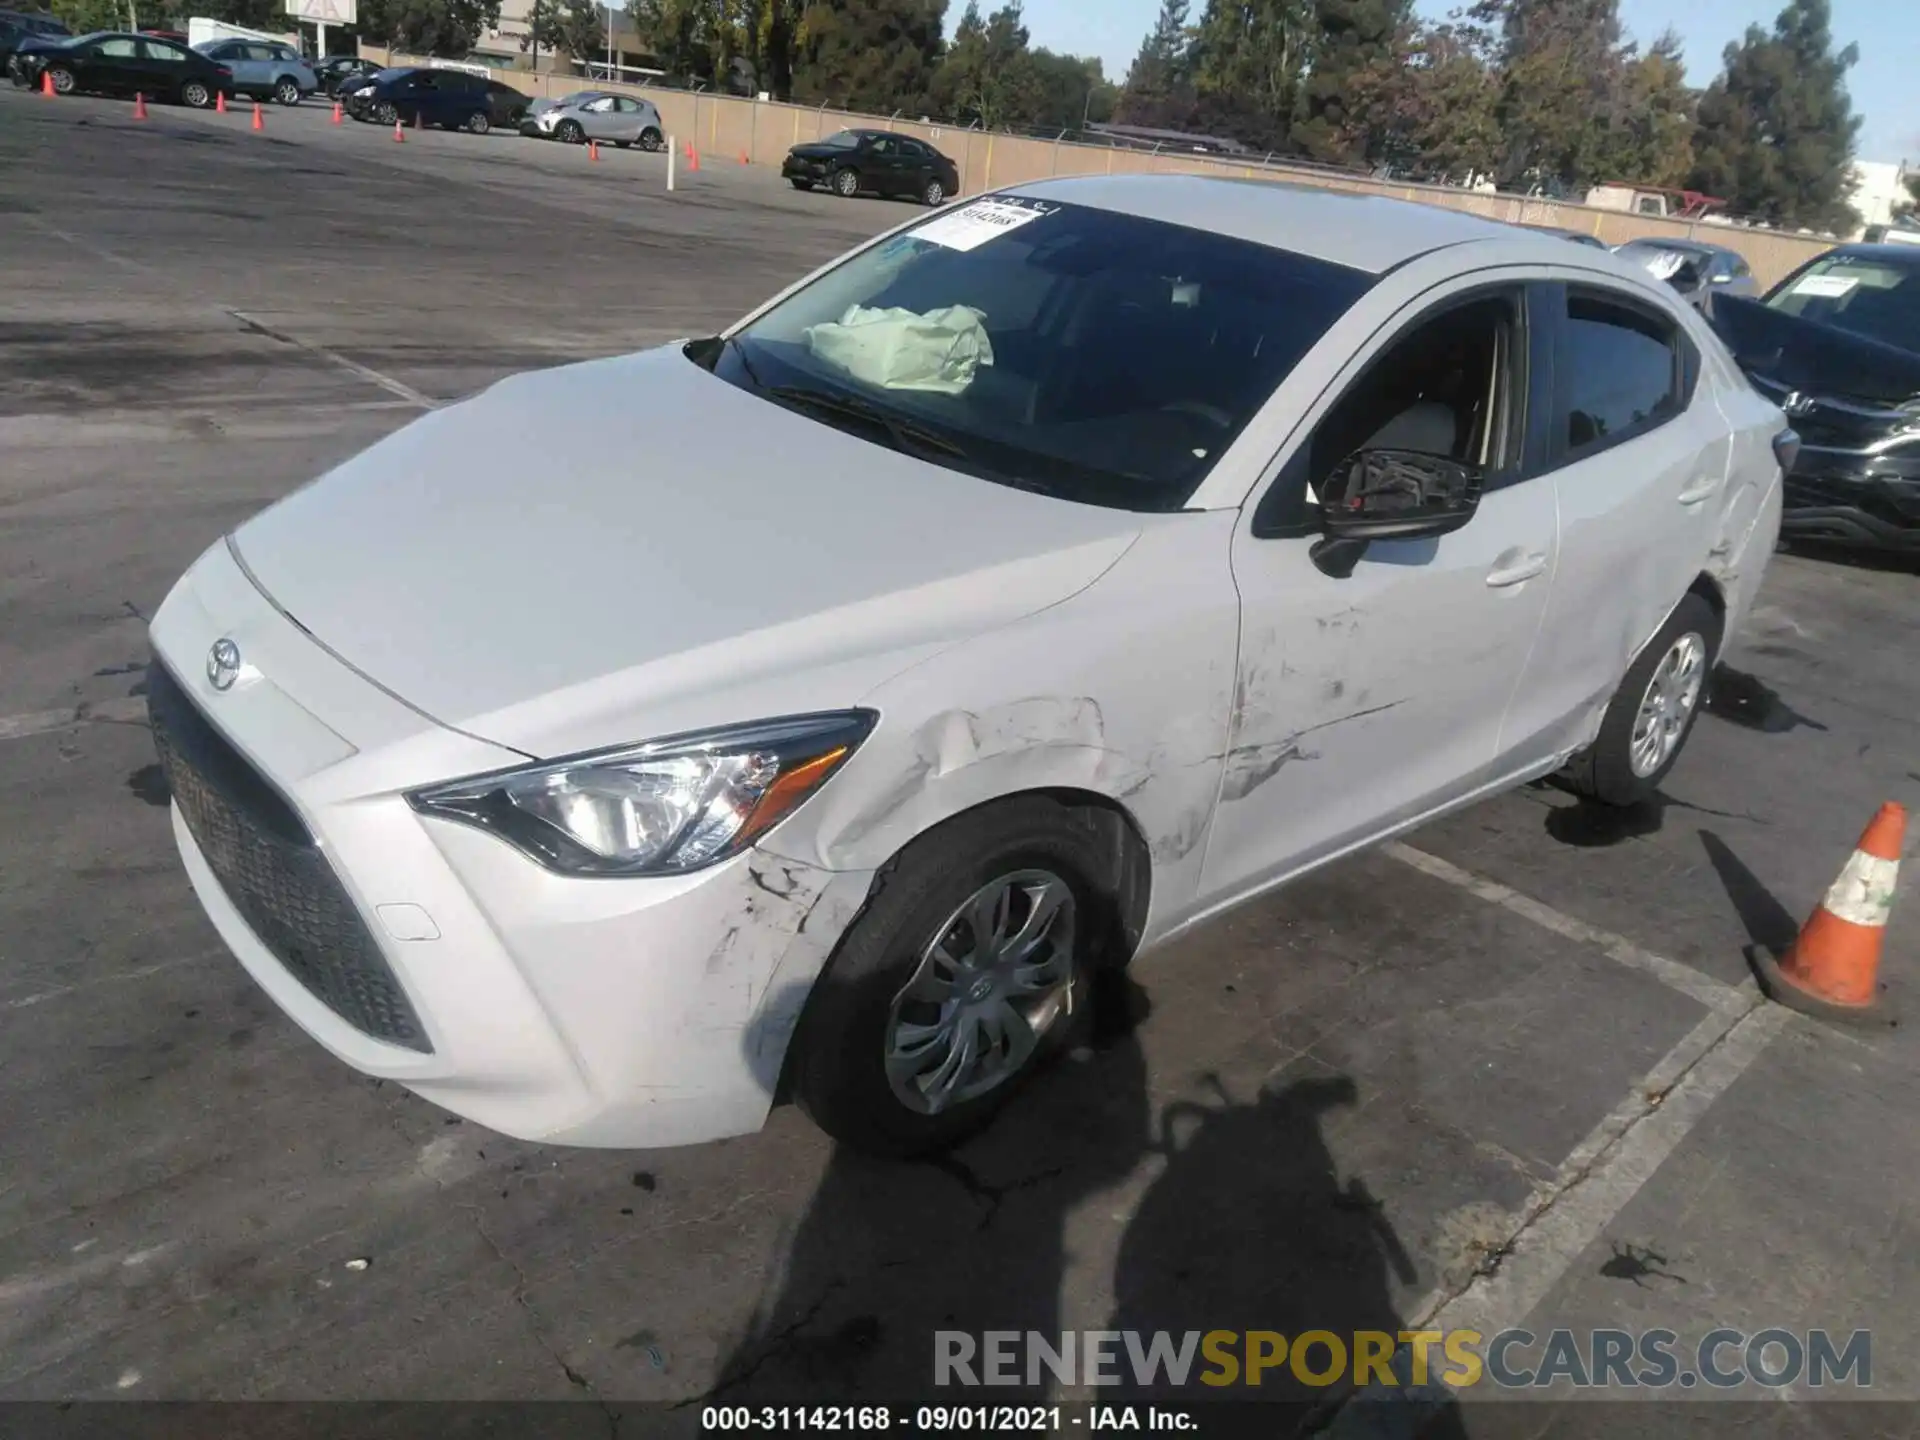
point(264, 68)
point(601, 115)
point(1698, 270)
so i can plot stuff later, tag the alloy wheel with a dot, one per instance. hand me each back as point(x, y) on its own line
point(1668, 704)
point(995, 979)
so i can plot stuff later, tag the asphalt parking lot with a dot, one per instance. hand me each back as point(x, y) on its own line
point(1508, 1072)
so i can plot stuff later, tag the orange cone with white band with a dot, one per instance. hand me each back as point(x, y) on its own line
point(1833, 969)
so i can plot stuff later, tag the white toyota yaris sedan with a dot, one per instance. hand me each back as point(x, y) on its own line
point(1000, 601)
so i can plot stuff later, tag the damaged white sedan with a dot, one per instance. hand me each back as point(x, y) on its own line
point(994, 605)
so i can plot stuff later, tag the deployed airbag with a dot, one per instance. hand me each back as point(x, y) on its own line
point(900, 350)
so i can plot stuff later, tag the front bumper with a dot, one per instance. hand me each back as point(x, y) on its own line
point(814, 172)
point(629, 1013)
point(1874, 505)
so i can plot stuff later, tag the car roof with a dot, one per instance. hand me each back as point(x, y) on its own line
point(1363, 232)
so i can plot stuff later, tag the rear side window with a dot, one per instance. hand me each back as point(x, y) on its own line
point(1620, 369)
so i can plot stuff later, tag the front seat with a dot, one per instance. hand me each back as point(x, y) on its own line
point(1428, 427)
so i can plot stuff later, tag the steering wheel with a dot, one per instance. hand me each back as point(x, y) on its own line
point(1212, 413)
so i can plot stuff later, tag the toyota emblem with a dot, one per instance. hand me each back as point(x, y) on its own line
point(223, 664)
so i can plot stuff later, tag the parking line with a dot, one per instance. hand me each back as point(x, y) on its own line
point(125, 711)
point(118, 977)
point(352, 367)
point(1715, 995)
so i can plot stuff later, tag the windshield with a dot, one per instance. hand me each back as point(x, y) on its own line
point(1862, 296)
point(1086, 354)
point(840, 140)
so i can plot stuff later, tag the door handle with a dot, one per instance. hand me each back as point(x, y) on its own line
point(1511, 569)
point(1699, 490)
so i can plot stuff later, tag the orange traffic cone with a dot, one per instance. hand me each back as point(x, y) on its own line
point(139, 106)
point(593, 149)
point(259, 120)
point(339, 116)
point(399, 134)
point(220, 103)
point(743, 158)
point(693, 159)
point(1832, 971)
point(46, 84)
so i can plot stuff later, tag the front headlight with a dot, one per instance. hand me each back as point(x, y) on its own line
point(363, 92)
point(662, 808)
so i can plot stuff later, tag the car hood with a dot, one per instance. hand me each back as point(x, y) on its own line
point(575, 550)
point(1807, 355)
point(819, 152)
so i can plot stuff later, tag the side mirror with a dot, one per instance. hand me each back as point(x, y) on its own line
point(1391, 495)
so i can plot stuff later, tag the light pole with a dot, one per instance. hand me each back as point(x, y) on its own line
point(610, 70)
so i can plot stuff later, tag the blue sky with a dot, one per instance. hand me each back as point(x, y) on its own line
point(1884, 92)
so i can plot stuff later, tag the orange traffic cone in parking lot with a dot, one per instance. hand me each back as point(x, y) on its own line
point(593, 149)
point(399, 134)
point(220, 103)
point(338, 114)
point(259, 120)
point(46, 84)
point(1832, 971)
point(743, 158)
point(139, 106)
point(693, 159)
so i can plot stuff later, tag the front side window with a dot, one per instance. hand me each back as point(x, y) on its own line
point(121, 47)
point(1619, 371)
point(1083, 353)
point(1866, 297)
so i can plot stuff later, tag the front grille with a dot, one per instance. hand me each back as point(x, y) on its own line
point(273, 871)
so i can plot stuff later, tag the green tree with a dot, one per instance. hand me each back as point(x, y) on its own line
point(1249, 58)
point(566, 27)
point(1160, 76)
point(988, 75)
point(874, 55)
point(715, 41)
point(1440, 115)
point(1067, 89)
point(1562, 70)
point(428, 27)
point(1360, 57)
point(1649, 136)
point(1776, 128)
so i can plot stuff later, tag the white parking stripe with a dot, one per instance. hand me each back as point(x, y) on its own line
point(352, 367)
point(1726, 999)
point(115, 978)
point(127, 710)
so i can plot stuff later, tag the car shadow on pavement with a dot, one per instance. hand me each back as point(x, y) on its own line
point(1244, 1225)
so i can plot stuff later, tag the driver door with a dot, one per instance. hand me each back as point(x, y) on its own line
point(1366, 701)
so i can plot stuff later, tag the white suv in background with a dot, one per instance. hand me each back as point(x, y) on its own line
point(816, 707)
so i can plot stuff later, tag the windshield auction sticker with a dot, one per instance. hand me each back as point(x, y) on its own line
point(1825, 287)
point(971, 226)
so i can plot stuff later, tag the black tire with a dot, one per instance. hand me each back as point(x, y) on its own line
point(478, 123)
point(195, 94)
point(387, 113)
point(286, 91)
point(1604, 771)
point(570, 132)
point(800, 184)
point(934, 193)
point(837, 1064)
point(652, 140)
point(846, 183)
point(64, 82)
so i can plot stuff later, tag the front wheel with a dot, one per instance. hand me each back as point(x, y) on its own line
point(286, 91)
point(64, 82)
point(570, 132)
point(478, 123)
point(387, 113)
point(195, 95)
point(1652, 713)
point(846, 184)
point(965, 972)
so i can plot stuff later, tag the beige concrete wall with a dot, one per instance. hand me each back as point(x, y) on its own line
point(726, 130)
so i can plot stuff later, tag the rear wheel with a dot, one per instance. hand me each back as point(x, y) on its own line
point(652, 139)
point(935, 193)
point(570, 132)
point(64, 82)
point(195, 95)
point(1652, 713)
point(286, 90)
point(846, 183)
point(478, 123)
point(964, 973)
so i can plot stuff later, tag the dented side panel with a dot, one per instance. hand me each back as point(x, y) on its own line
point(1123, 690)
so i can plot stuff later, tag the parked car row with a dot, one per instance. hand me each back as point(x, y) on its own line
point(121, 63)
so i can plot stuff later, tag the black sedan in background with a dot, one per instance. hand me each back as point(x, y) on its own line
point(117, 63)
point(429, 95)
point(339, 73)
point(877, 162)
point(1836, 345)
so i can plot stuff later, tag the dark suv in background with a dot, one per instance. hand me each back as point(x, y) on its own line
point(18, 25)
point(1836, 345)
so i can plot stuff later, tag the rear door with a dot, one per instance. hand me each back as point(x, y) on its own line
point(1639, 453)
